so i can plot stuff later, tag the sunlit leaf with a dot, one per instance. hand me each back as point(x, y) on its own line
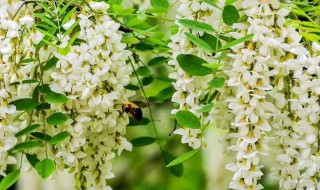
point(45, 168)
point(27, 130)
point(193, 65)
point(196, 25)
point(176, 170)
point(142, 141)
point(25, 104)
point(183, 158)
point(57, 118)
point(230, 14)
point(59, 137)
point(188, 119)
point(9, 180)
point(198, 42)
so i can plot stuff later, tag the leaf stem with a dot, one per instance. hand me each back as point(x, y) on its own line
point(145, 96)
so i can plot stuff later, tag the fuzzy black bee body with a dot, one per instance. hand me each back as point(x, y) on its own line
point(133, 110)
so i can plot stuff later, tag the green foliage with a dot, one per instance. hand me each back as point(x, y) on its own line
point(26, 145)
point(188, 119)
point(142, 141)
point(183, 158)
point(143, 121)
point(53, 97)
point(25, 104)
point(216, 82)
point(51, 63)
point(206, 108)
point(32, 159)
point(9, 180)
point(196, 25)
point(41, 136)
point(45, 167)
point(162, 5)
point(59, 137)
point(210, 2)
point(176, 170)
point(198, 42)
point(57, 118)
point(230, 14)
point(27, 130)
point(235, 42)
point(158, 61)
point(193, 65)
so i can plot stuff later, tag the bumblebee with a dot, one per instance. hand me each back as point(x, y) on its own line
point(133, 110)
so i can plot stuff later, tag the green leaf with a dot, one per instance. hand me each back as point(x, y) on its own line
point(198, 42)
point(26, 145)
point(212, 41)
point(137, 20)
point(46, 8)
point(51, 63)
point(143, 71)
point(183, 158)
point(41, 136)
point(235, 42)
point(132, 87)
point(64, 51)
point(206, 108)
point(32, 159)
point(142, 141)
point(9, 180)
point(157, 61)
point(188, 119)
point(53, 97)
point(193, 65)
point(176, 170)
point(68, 15)
point(165, 94)
point(59, 137)
point(45, 88)
point(63, 10)
point(216, 82)
point(45, 19)
point(147, 80)
point(27, 60)
point(228, 2)
point(25, 104)
point(143, 121)
point(45, 168)
point(76, 23)
point(230, 14)
point(27, 130)
point(43, 106)
point(196, 25)
point(57, 118)
point(27, 81)
point(209, 2)
point(160, 4)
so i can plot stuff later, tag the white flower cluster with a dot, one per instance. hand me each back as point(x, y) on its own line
point(258, 77)
point(13, 48)
point(271, 78)
point(191, 89)
point(92, 74)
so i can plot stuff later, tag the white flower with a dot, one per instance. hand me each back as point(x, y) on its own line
point(26, 20)
point(98, 6)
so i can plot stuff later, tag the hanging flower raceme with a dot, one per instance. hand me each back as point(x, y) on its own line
point(16, 51)
point(272, 92)
point(257, 73)
point(191, 89)
point(70, 85)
